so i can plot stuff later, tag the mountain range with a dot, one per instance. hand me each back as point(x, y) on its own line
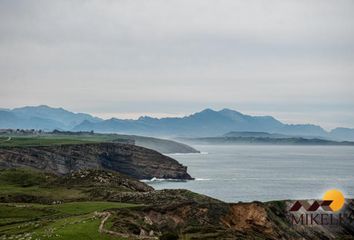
point(207, 123)
point(42, 117)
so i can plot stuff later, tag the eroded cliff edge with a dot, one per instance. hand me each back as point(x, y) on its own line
point(134, 161)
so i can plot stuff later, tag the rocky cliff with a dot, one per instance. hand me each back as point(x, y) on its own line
point(134, 161)
point(181, 214)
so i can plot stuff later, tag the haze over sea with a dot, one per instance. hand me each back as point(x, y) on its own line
point(256, 172)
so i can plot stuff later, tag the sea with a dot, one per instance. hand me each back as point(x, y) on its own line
point(234, 173)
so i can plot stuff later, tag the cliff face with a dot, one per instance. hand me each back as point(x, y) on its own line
point(185, 215)
point(163, 145)
point(134, 161)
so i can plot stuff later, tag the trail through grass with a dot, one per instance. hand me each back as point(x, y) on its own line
point(74, 220)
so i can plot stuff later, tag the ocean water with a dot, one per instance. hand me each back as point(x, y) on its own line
point(254, 172)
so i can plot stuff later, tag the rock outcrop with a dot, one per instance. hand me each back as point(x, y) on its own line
point(191, 218)
point(134, 161)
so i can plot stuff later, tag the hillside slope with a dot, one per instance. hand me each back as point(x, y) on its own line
point(96, 204)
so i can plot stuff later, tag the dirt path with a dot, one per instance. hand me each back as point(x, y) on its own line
point(101, 228)
point(9, 139)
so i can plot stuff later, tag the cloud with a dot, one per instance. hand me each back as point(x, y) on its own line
point(94, 55)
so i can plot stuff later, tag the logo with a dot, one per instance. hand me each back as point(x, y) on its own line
point(333, 200)
point(319, 212)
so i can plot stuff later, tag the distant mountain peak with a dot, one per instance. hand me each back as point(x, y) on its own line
point(144, 118)
point(113, 119)
point(229, 110)
point(207, 110)
point(37, 106)
point(40, 106)
point(222, 111)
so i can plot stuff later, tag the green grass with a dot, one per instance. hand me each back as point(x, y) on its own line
point(74, 220)
point(10, 213)
point(59, 139)
point(41, 141)
point(70, 220)
point(29, 182)
point(79, 228)
point(22, 177)
point(87, 207)
point(58, 193)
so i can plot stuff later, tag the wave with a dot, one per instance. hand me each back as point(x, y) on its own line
point(162, 180)
point(181, 154)
point(157, 180)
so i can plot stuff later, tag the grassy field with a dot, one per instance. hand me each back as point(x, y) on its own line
point(38, 205)
point(21, 182)
point(45, 140)
point(75, 220)
point(28, 185)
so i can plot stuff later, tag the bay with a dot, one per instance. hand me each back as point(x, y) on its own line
point(246, 173)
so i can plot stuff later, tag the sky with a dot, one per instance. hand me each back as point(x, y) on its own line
point(292, 59)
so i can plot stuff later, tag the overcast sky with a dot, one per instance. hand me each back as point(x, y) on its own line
point(124, 58)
